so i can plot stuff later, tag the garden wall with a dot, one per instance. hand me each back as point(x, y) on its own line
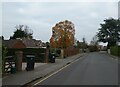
point(38, 52)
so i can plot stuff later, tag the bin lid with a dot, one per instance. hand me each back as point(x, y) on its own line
point(30, 56)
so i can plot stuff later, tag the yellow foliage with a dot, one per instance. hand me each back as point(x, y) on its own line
point(63, 35)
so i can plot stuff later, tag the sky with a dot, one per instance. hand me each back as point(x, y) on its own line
point(42, 16)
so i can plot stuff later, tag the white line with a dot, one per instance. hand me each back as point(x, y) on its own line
point(54, 73)
point(50, 75)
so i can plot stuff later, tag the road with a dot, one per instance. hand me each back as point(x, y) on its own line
point(93, 69)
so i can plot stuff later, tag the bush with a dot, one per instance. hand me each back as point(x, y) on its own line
point(93, 48)
point(115, 50)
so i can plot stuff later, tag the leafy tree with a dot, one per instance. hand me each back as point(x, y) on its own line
point(22, 31)
point(2, 37)
point(94, 44)
point(94, 40)
point(109, 31)
point(84, 45)
point(78, 44)
point(93, 48)
point(63, 34)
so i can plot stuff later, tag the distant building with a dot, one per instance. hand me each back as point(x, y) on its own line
point(118, 43)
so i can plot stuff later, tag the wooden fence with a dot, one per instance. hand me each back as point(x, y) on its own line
point(9, 63)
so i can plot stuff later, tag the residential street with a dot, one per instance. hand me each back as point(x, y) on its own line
point(92, 69)
point(60, 43)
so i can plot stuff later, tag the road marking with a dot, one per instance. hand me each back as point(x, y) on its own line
point(114, 58)
point(55, 73)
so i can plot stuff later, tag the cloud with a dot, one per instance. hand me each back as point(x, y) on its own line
point(94, 14)
point(1, 18)
point(42, 16)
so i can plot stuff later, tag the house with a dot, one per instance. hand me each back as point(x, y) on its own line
point(14, 44)
point(22, 43)
point(118, 43)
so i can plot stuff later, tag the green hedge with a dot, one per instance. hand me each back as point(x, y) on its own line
point(115, 50)
point(38, 52)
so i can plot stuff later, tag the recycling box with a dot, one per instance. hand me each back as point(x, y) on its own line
point(30, 62)
point(13, 70)
point(52, 58)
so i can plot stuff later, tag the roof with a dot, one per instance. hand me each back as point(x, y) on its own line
point(10, 43)
point(29, 43)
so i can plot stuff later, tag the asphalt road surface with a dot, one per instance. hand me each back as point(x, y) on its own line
point(92, 69)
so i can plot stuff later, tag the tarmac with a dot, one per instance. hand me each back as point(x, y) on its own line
point(41, 70)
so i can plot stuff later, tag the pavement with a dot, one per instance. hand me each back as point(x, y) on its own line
point(24, 65)
point(41, 70)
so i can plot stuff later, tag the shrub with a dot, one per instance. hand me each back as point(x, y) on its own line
point(93, 48)
point(115, 50)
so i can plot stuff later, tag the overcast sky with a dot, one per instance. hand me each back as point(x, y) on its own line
point(42, 16)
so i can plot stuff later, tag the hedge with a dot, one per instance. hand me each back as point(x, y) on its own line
point(115, 50)
point(38, 52)
point(93, 48)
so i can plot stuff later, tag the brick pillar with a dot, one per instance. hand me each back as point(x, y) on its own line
point(19, 57)
point(46, 55)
